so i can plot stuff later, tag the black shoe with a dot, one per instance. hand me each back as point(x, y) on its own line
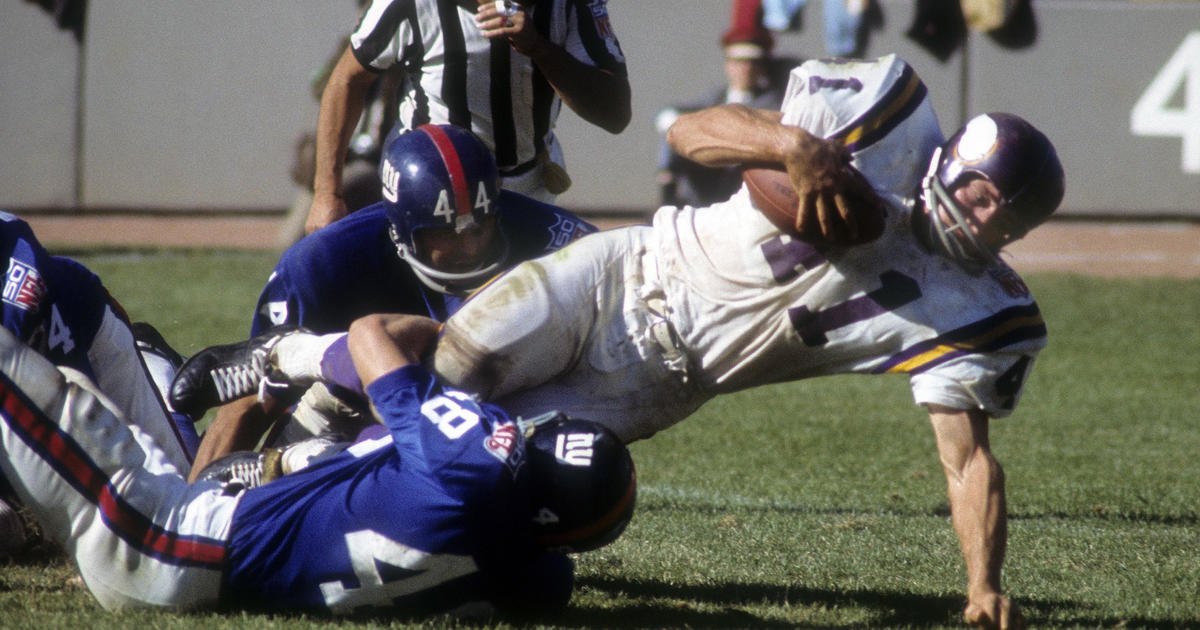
point(220, 374)
point(243, 470)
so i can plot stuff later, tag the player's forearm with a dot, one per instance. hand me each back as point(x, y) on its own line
point(342, 104)
point(381, 343)
point(238, 426)
point(732, 134)
point(596, 95)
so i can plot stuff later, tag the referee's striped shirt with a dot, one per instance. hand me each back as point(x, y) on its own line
point(454, 75)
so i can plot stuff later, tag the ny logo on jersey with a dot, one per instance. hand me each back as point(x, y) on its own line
point(23, 286)
point(575, 448)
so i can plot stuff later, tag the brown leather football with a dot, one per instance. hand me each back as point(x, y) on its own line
point(858, 219)
point(772, 193)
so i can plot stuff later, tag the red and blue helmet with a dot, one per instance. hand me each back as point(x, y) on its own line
point(439, 176)
point(1010, 153)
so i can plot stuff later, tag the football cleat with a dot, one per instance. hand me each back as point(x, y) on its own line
point(243, 470)
point(220, 374)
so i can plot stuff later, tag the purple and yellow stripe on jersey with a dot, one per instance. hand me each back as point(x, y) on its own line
point(1009, 326)
point(74, 466)
point(889, 112)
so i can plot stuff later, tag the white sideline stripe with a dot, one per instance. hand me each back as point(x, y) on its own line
point(720, 499)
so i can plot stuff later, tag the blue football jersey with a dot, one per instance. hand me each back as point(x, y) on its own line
point(427, 517)
point(53, 304)
point(350, 268)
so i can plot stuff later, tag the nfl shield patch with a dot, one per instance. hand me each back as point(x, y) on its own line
point(23, 286)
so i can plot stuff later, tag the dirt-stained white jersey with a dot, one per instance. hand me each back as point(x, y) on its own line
point(752, 305)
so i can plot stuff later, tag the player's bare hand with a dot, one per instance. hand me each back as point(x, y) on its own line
point(504, 18)
point(837, 204)
point(993, 611)
point(325, 209)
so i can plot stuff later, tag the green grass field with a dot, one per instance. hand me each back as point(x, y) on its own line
point(821, 504)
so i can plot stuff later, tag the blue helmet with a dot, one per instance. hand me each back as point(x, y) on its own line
point(584, 485)
point(439, 176)
point(1010, 153)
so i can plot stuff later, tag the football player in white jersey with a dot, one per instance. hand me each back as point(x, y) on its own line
point(637, 327)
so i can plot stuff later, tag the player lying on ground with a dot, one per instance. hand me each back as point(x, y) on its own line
point(443, 229)
point(637, 327)
point(890, 264)
point(63, 311)
point(455, 503)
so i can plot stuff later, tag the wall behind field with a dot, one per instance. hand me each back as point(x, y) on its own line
point(184, 105)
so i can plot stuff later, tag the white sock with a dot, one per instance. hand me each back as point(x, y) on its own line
point(299, 356)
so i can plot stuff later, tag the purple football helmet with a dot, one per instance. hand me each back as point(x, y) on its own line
point(439, 176)
point(1014, 156)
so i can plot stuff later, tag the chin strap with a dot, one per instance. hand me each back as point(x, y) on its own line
point(456, 284)
point(528, 426)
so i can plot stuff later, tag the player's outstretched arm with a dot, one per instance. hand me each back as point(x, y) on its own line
point(729, 135)
point(975, 488)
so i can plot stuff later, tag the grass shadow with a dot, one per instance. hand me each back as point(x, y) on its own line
point(680, 605)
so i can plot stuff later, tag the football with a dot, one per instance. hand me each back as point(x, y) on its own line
point(772, 193)
point(858, 218)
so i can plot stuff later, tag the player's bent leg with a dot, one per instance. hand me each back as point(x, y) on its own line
point(529, 325)
point(122, 375)
point(162, 361)
point(633, 375)
point(140, 535)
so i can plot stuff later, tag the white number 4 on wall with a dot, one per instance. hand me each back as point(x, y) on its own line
point(1154, 115)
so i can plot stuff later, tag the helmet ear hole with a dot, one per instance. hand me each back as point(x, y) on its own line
point(583, 485)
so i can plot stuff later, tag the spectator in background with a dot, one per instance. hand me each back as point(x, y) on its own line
point(500, 69)
point(749, 81)
point(844, 21)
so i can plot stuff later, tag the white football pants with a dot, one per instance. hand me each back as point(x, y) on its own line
point(581, 330)
point(126, 381)
point(99, 486)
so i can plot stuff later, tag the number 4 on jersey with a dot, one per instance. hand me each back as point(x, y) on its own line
point(60, 335)
point(386, 569)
